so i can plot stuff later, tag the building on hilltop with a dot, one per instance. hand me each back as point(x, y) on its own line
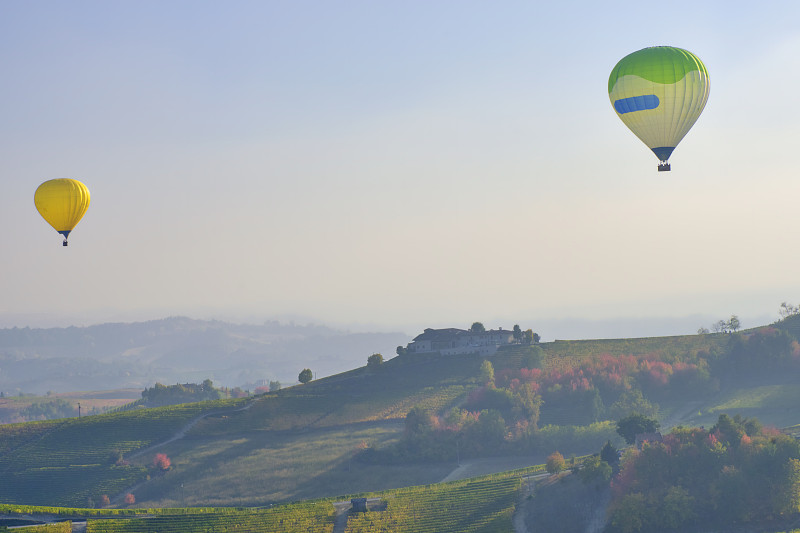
point(454, 341)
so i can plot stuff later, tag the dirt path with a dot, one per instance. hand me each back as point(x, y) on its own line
point(116, 500)
point(492, 465)
point(185, 429)
point(518, 519)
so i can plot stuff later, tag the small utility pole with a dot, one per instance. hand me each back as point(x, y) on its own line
point(79, 409)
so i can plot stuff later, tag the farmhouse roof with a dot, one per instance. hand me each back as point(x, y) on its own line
point(440, 334)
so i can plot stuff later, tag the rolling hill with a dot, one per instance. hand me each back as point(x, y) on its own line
point(305, 442)
point(177, 349)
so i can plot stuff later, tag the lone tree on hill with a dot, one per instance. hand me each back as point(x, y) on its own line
point(374, 360)
point(305, 376)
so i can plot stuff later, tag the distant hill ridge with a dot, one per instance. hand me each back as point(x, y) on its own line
point(177, 349)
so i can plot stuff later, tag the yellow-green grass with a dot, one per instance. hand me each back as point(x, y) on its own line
point(316, 516)
point(69, 461)
point(484, 504)
point(774, 404)
point(389, 392)
point(678, 345)
point(258, 468)
point(56, 527)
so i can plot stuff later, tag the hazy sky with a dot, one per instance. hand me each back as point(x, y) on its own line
point(392, 164)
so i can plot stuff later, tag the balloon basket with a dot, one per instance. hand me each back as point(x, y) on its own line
point(664, 167)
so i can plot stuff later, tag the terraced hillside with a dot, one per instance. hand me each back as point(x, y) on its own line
point(478, 505)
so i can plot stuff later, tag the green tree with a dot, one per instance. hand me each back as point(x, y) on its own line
point(632, 401)
point(595, 469)
point(609, 453)
point(375, 360)
point(305, 376)
point(634, 424)
point(729, 430)
point(477, 327)
point(418, 422)
point(675, 508)
point(788, 496)
point(274, 386)
point(517, 332)
point(630, 514)
point(487, 372)
point(733, 324)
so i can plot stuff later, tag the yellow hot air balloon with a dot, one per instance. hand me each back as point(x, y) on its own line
point(62, 203)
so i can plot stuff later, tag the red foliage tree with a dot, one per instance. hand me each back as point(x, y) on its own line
point(130, 499)
point(105, 501)
point(161, 461)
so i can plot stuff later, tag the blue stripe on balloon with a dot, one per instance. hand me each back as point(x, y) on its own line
point(636, 103)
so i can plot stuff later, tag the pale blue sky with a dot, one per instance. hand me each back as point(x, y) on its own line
point(394, 164)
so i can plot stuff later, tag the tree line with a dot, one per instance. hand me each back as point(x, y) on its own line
point(735, 472)
point(503, 414)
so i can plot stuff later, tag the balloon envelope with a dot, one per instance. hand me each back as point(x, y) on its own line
point(62, 203)
point(659, 93)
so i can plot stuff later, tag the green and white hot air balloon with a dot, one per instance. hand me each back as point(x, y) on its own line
point(659, 93)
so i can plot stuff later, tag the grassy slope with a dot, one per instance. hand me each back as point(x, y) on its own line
point(67, 461)
point(297, 443)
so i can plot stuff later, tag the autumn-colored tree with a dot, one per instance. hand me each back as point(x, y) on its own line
point(555, 463)
point(105, 501)
point(130, 499)
point(161, 461)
